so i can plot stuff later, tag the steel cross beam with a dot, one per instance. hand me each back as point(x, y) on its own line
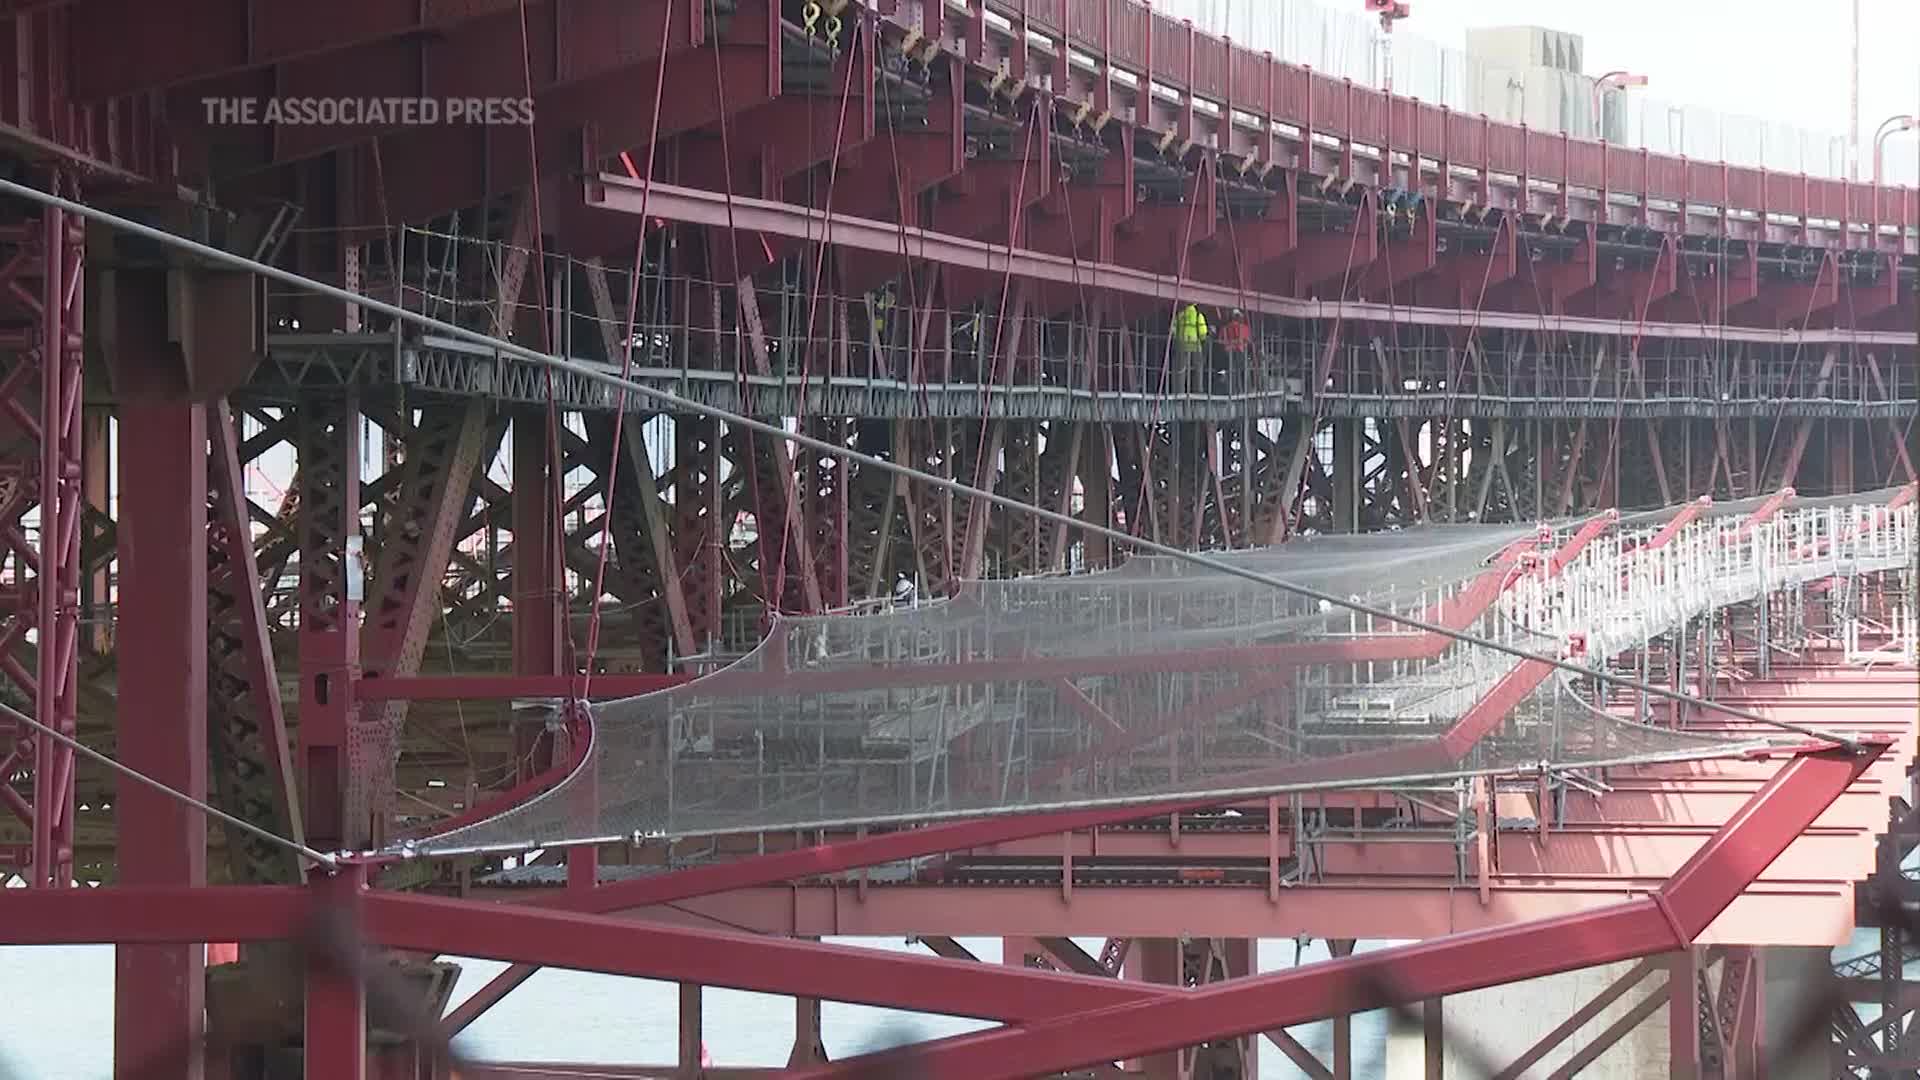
point(805, 862)
point(1070, 1019)
point(1671, 918)
point(717, 210)
point(503, 687)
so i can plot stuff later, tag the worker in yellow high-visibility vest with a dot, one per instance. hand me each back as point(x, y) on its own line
point(1189, 335)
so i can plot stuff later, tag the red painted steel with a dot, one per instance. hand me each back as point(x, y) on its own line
point(503, 687)
point(329, 491)
point(157, 915)
point(56, 244)
point(430, 503)
point(336, 1005)
point(162, 723)
point(715, 210)
point(112, 143)
point(42, 274)
point(57, 620)
point(585, 77)
point(244, 694)
point(540, 650)
point(1670, 918)
point(1042, 1000)
point(208, 38)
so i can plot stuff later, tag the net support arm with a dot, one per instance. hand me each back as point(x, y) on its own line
point(828, 858)
point(1669, 919)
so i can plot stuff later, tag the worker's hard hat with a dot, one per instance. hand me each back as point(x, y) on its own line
point(1237, 313)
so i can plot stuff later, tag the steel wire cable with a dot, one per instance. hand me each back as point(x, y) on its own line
point(317, 857)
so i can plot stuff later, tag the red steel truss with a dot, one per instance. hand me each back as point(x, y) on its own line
point(1066, 1020)
point(946, 233)
point(43, 272)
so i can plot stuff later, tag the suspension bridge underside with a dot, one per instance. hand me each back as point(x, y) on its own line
point(374, 585)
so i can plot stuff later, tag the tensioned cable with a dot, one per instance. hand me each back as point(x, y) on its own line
point(675, 402)
point(131, 773)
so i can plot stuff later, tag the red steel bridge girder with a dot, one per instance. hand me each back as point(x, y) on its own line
point(1670, 918)
point(1174, 510)
point(223, 37)
point(766, 145)
point(604, 104)
point(1063, 1016)
point(119, 143)
point(1328, 259)
point(558, 47)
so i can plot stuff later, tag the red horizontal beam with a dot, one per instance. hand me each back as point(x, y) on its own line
point(1093, 1011)
point(500, 687)
point(123, 47)
point(820, 859)
point(714, 209)
point(1383, 905)
point(618, 946)
point(608, 945)
point(836, 857)
point(1668, 920)
point(153, 916)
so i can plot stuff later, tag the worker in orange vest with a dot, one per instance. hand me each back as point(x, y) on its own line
point(1237, 339)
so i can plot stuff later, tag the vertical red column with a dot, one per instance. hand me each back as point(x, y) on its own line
point(1743, 1017)
point(1434, 1037)
point(1343, 1023)
point(329, 610)
point(536, 566)
point(809, 1045)
point(693, 1048)
point(336, 1006)
point(57, 616)
point(330, 594)
point(162, 723)
point(1683, 1015)
point(1242, 956)
point(1159, 962)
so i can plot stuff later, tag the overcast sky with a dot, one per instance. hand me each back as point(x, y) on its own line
point(1786, 59)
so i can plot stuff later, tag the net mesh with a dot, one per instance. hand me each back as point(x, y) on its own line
point(1165, 679)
